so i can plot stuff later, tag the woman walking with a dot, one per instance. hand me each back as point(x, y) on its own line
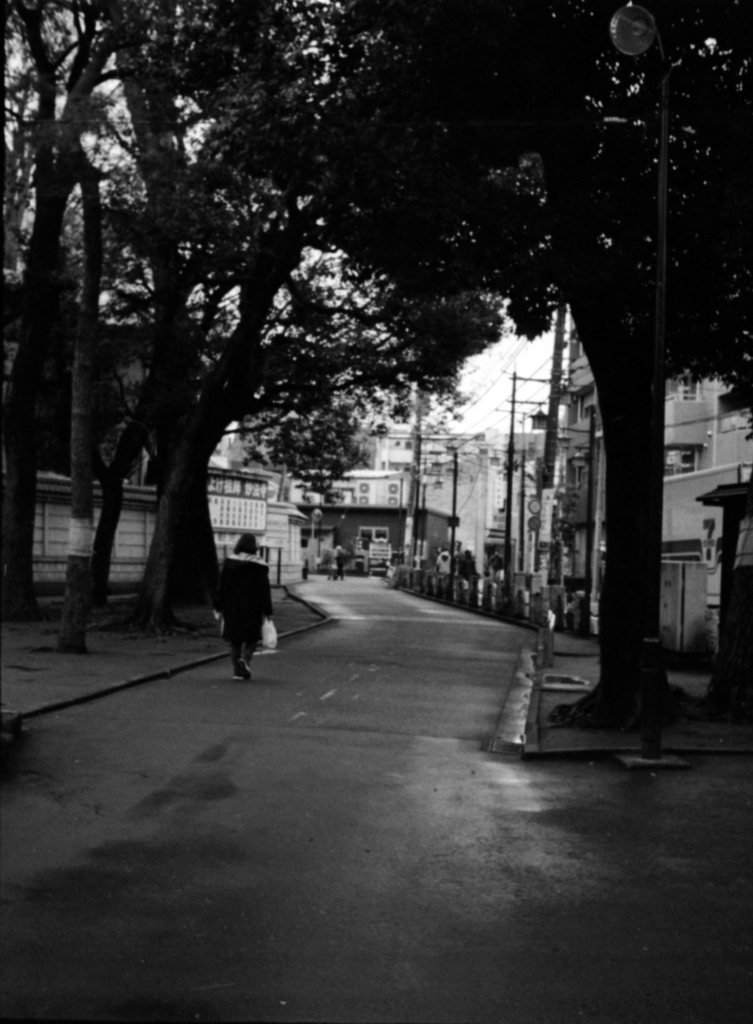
point(243, 600)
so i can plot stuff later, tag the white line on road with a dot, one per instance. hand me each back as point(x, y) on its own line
point(300, 714)
point(328, 694)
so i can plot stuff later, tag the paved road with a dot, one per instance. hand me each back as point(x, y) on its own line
point(331, 843)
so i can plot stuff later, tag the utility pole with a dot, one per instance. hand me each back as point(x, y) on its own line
point(454, 520)
point(586, 616)
point(416, 490)
point(413, 495)
point(522, 531)
point(508, 499)
point(550, 444)
point(555, 391)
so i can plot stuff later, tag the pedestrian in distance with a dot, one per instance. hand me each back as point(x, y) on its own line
point(443, 562)
point(243, 601)
point(497, 564)
point(467, 567)
point(340, 560)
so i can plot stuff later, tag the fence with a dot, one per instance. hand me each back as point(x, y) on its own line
point(530, 601)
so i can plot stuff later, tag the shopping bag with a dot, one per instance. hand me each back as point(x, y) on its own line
point(268, 635)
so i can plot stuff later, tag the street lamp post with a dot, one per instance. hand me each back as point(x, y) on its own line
point(508, 501)
point(633, 30)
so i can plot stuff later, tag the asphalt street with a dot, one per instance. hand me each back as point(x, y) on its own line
point(332, 842)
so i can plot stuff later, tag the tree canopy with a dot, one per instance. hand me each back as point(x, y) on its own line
point(444, 154)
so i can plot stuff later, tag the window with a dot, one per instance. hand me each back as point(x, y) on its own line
point(734, 414)
point(679, 460)
point(373, 533)
point(683, 389)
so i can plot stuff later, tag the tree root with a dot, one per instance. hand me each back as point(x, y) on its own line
point(586, 713)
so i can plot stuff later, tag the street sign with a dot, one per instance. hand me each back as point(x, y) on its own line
point(534, 506)
point(547, 508)
point(534, 523)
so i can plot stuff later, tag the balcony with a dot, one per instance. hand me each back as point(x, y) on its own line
point(687, 422)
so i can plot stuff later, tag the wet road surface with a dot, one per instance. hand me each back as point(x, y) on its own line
point(331, 843)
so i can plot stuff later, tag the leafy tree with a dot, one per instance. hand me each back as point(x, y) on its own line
point(317, 448)
point(68, 47)
point(294, 328)
point(540, 105)
point(78, 572)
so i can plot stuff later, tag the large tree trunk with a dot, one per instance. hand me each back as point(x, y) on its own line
point(174, 539)
point(57, 143)
point(226, 395)
point(72, 637)
point(111, 477)
point(622, 373)
point(731, 687)
point(195, 573)
point(41, 294)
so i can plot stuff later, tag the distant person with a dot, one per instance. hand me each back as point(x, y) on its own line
point(467, 566)
point(340, 560)
point(244, 599)
point(443, 562)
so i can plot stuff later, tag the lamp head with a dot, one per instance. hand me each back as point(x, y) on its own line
point(632, 30)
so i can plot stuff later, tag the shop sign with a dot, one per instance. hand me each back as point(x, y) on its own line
point(237, 503)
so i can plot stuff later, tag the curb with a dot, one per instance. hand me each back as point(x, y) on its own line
point(512, 731)
point(473, 611)
point(12, 721)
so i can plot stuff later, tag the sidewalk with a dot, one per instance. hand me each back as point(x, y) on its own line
point(36, 679)
point(576, 671)
point(524, 726)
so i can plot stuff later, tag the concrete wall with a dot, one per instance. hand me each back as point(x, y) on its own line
point(52, 514)
point(281, 543)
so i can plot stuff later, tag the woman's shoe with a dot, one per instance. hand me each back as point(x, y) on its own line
point(242, 670)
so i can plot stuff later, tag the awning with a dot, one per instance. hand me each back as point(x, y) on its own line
point(723, 494)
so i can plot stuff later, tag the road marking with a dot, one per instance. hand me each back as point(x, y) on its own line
point(328, 694)
point(300, 714)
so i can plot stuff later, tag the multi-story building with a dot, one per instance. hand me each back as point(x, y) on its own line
point(706, 447)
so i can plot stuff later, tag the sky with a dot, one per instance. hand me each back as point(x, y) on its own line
point(486, 382)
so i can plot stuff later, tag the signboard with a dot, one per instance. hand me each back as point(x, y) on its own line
point(534, 506)
point(547, 514)
point(237, 504)
point(534, 524)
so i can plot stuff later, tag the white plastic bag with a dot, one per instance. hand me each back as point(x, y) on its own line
point(268, 635)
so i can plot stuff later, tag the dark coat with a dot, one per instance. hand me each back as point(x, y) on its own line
point(244, 598)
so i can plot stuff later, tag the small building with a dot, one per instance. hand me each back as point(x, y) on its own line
point(373, 535)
